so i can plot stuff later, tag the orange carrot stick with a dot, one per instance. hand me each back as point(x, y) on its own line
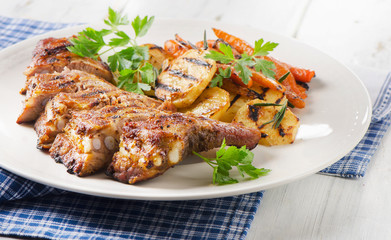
point(267, 82)
point(289, 83)
point(301, 74)
point(239, 44)
point(174, 48)
point(235, 76)
point(211, 44)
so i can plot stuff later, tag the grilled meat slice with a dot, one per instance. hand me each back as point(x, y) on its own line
point(149, 148)
point(57, 110)
point(42, 87)
point(91, 137)
point(51, 55)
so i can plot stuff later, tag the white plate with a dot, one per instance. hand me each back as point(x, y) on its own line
point(337, 116)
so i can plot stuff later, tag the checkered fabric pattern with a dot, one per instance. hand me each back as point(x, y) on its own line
point(355, 163)
point(46, 212)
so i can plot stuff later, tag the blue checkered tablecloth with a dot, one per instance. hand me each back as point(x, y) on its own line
point(355, 163)
point(45, 212)
point(29, 209)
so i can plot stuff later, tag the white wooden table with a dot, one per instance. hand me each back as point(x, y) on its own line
point(353, 31)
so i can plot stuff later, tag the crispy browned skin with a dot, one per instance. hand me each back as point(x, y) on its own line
point(42, 87)
point(51, 55)
point(149, 148)
point(57, 110)
point(91, 137)
point(85, 116)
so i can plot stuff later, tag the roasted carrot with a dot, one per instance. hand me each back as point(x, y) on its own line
point(289, 83)
point(303, 91)
point(211, 44)
point(239, 44)
point(174, 48)
point(294, 99)
point(301, 74)
point(183, 42)
point(267, 82)
point(235, 76)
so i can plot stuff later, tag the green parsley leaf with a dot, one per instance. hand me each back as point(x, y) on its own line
point(227, 50)
point(147, 73)
point(119, 61)
point(88, 43)
point(218, 79)
point(266, 67)
point(130, 60)
point(141, 26)
point(227, 158)
point(244, 72)
point(121, 41)
point(137, 87)
point(263, 50)
point(217, 56)
point(245, 61)
point(115, 19)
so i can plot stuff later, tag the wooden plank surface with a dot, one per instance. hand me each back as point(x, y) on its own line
point(358, 32)
point(323, 207)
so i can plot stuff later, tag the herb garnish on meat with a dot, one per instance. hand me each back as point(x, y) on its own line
point(128, 59)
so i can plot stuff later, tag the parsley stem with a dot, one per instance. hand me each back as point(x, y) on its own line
point(110, 49)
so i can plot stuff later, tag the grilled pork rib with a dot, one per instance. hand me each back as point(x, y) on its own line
point(92, 136)
point(51, 55)
point(149, 148)
point(42, 87)
point(57, 110)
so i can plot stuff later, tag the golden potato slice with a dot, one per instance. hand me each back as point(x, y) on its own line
point(236, 103)
point(183, 81)
point(255, 92)
point(259, 116)
point(267, 94)
point(157, 55)
point(212, 103)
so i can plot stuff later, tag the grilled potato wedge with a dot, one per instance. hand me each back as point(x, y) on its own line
point(255, 92)
point(157, 55)
point(236, 103)
point(258, 116)
point(183, 81)
point(267, 94)
point(212, 103)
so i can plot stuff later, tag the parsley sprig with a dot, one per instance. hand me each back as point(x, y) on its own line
point(226, 158)
point(242, 64)
point(279, 116)
point(128, 59)
point(219, 77)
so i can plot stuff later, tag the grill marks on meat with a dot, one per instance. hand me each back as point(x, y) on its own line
point(85, 120)
point(58, 110)
point(91, 137)
point(42, 87)
point(149, 148)
point(51, 55)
